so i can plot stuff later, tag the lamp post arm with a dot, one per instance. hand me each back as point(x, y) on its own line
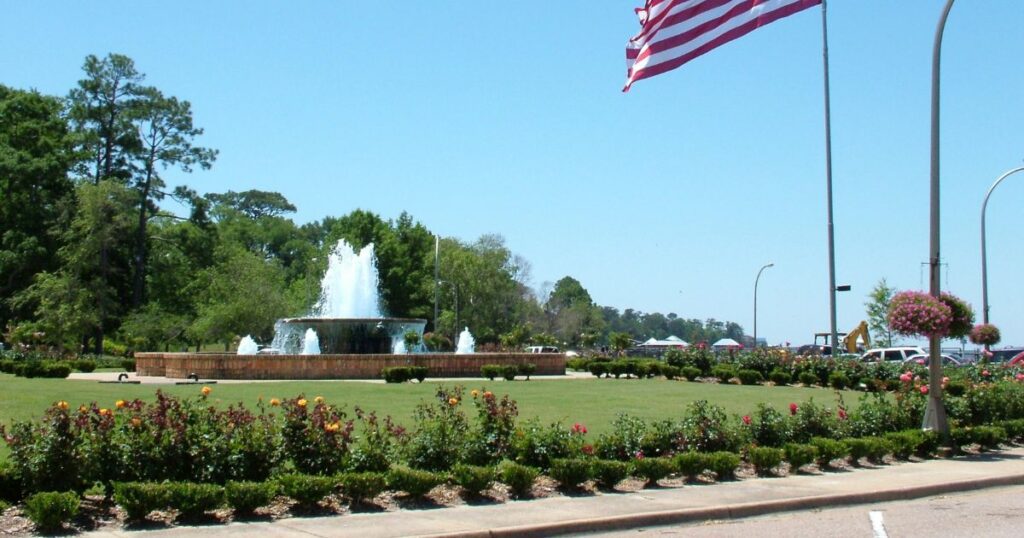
point(984, 257)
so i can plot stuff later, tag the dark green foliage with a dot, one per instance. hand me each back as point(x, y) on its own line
point(799, 455)
point(138, 499)
point(608, 473)
point(578, 364)
point(838, 380)
point(1014, 429)
point(193, 500)
point(829, 449)
point(538, 444)
point(780, 377)
point(84, 365)
point(360, 486)
point(10, 485)
point(878, 448)
point(706, 427)
point(652, 469)
point(691, 372)
point(956, 387)
point(509, 372)
point(419, 373)
point(396, 374)
point(306, 490)
point(570, 472)
point(691, 464)
point(750, 377)
point(598, 368)
point(724, 372)
point(413, 481)
point(764, 458)
point(904, 444)
point(128, 365)
point(473, 478)
point(988, 437)
point(519, 478)
point(669, 371)
point(42, 368)
point(808, 378)
point(769, 427)
point(860, 447)
point(442, 430)
point(246, 497)
point(490, 371)
point(51, 509)
point(723, 464)
point(527, 369)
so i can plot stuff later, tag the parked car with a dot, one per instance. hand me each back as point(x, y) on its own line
point(922, 359)
point(891, 354)
point(1005, 355)
point(542, 349)
point(1017, 360)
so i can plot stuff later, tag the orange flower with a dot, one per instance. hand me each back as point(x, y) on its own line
point(83, 409)
point(301, 403)
point(274, 402)
point(62, 405)
point(453, 401)
point(488, 394)
point(475, 393)
point(136, 422)
point(105, 411)
point(332, 427)
point(319, 399)
point(119, 404)
point(206, 391)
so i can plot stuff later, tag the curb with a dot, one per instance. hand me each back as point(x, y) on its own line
point(735, 511)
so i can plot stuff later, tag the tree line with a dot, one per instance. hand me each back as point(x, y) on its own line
point(91, 262)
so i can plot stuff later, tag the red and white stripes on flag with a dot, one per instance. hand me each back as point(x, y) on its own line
point(674, 32)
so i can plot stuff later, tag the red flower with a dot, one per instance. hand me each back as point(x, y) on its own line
point(793, 408)
point(746, 419)
point(579, 428)
point(588, 450)
point(639, 455)
point(842, 414)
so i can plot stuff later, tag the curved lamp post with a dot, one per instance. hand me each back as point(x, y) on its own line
point(984, 265)
point(765, 266)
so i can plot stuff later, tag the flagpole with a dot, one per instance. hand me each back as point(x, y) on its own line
point(828, 185)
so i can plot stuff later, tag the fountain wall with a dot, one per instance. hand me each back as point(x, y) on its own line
point(232, 366)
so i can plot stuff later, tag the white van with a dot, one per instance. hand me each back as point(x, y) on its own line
point(542, 349)
point(891, 354)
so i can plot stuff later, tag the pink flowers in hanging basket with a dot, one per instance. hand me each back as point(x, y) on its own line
point(915, 313)
point(985, 334)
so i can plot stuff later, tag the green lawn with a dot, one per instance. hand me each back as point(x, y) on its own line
point(594, 402)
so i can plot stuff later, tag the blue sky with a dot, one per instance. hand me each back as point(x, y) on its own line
point(507, 117)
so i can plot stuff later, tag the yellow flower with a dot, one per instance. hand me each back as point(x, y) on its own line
point(136, 422)
point(453, 401)
point(105, 411)
point(62, 405)
point(319, 399)
point(475, 393)
point(206, 391)
point(119, 404)
point(332, 427)
point(301, 402)
point(274, 402)
point(83, 409)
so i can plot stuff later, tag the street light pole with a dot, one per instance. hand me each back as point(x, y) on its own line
point(935, 413)
point(756, 280)
point(984, 265)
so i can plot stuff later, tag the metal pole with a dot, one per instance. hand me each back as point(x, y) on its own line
point(756, 280)
point(984, 265)
point(437, 275)
point(935, 413)
point(828, 184)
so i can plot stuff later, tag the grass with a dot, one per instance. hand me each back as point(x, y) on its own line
point(593, 402)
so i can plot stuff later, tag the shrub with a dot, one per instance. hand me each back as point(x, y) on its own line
point(838, 380)
point(138, 499)
point(490, 371)
point(904, 444)
point(724, 372)
point(930, 441)
point(85, 365)
point(799, 455)
point(956, 387)
point(598, 368)
point(10, 486)
point(669, 371)
point(366, 485)
point(246, 497)
point(1014, 431)
point(878, 448)
point(519, 478)
point(860, 447)
point(509, 372)
point(764, 458)
point(579, 364)
point(608, 473)
point(706, 427)
point(988, 437)
point(691, 373)
point(769, 427)
point(780, 377)
point(396, 374)
point(419, 373)
point(749, 377)
point(413, 481)
point(618, 368)
point(473, 478)
point(316, 436)
point(808, 378)
point(828, 450)
point(527, 369)
point(7, 366)
point(306, 490)
point(653, 469)
point(723, 464)
point(691, 464)
point(193, 500)
point(128, 365)
point(570, 472)
point(51, 509)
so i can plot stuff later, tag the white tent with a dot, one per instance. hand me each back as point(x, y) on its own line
point(671, 341)
point(726, 343)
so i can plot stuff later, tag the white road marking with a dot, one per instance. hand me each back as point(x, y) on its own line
point(877, 524)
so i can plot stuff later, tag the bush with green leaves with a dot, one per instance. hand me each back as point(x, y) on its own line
point(1014, 429)
point(49, 510)
point(415, 482)
point(598, 368)
point(838, 380)
point(669, 371)
point(904, 444)
point(138, 499)
point(306, 490)
point(765, 458)
point(193, 500)
point(691, 373)
point(439, 440)
point(490, 371)
point(519, 478)
point(362, 485)
point(780, 377)
point(316, 435)
point(869, 448)
point(653, 469)
point(808, 378)
point(798, 455)
point(128, 365)
point(750, 377)
point(724, 372)
point(608, 473)
point(509, 372)
point(245, 497)
point(84, 365)
point(707, 428)
point(578, 364)
point(536, 445)
point(570, 472)
point(473, 478)
point(769, 427)
point(988, 437)
point(691, 464)
point(723, 464)
point(829, 450)
point(527, 369)
point(396, 374)
point(810, 419)
point(10, 484)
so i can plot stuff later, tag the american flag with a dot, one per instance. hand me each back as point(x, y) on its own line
point(674, 32)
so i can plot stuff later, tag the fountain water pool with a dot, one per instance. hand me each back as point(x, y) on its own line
point(467, 344)
point(311, 343)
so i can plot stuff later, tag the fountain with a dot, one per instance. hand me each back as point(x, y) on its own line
point(467, 344)
point(311, 343)
point(248, 346)
point(347, 318)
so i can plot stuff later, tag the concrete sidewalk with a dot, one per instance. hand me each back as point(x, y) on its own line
point(649, 507)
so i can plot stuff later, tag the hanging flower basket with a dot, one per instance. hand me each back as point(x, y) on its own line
point(915, 313)
point(962, 316)
point(985, 334)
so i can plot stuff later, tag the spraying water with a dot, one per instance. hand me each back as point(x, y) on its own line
point(349, 287)
point(467, 344)
point(400, 348)
point(248, 346)
point(311, 343)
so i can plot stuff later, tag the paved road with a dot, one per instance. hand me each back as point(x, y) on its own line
point(986, 513)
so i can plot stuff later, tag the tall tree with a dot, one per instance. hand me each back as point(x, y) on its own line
point(878, 311)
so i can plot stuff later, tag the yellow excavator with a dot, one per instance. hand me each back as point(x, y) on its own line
point(861, 332)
